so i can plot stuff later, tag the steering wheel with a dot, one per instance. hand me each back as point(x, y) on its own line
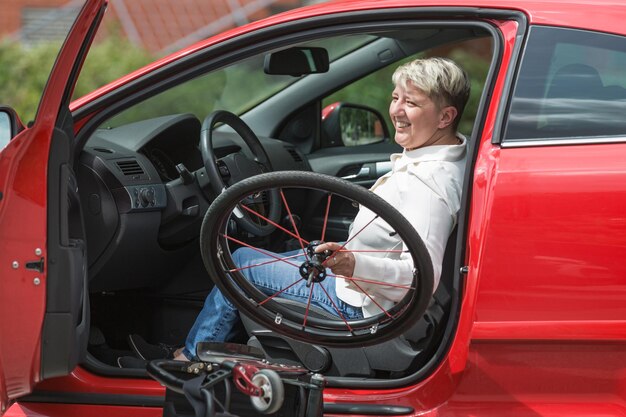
point(270, 306)
point(237, 166)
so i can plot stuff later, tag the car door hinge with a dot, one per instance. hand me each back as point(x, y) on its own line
point(36, 265)
point(464, 269)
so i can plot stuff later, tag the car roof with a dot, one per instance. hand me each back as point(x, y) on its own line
point(605, 15)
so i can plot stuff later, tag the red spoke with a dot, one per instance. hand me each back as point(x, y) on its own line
point(277, 259)
point(259, 215)
point(371, 281)
point(280, 292)
point(270, 254)
point(332, 255)
point(326, 217)
point(336, 308)
point(293, 224)
point(265, 263)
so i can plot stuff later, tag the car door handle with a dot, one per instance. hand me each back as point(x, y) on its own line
point(363, 173)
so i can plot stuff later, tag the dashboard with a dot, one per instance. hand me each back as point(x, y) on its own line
point(144, 192)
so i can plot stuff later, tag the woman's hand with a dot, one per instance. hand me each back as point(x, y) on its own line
point(341, 263)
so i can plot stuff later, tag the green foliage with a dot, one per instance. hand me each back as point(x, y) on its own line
point(24, 70)
point(108, 60)
point(23, 75)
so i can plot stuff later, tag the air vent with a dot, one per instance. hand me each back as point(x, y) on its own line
point(294, 154)
point(130, 168)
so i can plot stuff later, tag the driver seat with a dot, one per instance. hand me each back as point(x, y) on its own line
point(392, 359)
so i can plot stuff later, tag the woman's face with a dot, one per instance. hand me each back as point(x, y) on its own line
point(416, 117)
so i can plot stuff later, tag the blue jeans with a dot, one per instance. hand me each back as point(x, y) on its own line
point(218, 317)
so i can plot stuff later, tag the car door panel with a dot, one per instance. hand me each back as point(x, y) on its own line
point(362, 171)
point(35, 290)
point(359, 164)
point(66, 322)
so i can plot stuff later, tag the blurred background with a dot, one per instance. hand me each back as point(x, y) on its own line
point(137, 32)
point(133, 33)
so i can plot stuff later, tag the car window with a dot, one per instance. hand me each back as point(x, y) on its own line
point(374, 91)
point(571, 84)
point(238, 87)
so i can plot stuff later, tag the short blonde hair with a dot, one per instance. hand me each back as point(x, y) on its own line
point(441, 79)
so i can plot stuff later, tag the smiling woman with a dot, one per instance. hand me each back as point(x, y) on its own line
point(428, 98)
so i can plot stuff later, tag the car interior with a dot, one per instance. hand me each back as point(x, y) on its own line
point(144, 187)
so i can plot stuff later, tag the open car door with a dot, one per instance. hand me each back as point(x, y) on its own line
point(44, 316)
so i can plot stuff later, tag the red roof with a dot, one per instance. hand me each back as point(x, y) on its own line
point(167, 25)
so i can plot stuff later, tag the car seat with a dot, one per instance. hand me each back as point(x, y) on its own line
point(578, 81)
point(395, 358)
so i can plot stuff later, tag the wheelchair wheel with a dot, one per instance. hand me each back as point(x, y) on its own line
point(311, 270)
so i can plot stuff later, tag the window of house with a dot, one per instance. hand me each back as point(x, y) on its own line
point(45, 24)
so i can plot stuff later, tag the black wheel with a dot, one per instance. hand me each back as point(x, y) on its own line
point(273, 391)
point(236, 167)
point(301, 321)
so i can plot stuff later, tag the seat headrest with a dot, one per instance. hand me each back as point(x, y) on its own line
point(577, 81)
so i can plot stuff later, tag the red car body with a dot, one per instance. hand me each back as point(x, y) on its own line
point(541, 324)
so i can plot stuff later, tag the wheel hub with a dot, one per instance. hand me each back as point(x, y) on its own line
point(313, 269)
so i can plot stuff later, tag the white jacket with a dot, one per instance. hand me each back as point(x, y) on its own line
point(425, 186)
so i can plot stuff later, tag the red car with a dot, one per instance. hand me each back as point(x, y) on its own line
point(102, 202)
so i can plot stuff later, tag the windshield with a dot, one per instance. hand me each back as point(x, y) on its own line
point(236, 88)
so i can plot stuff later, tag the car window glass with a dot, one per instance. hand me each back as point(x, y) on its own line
point(237, 88)
point(375, 90)
point(571, 84)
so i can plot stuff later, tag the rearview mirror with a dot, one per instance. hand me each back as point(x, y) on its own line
point(297, 61)
point(346, 124)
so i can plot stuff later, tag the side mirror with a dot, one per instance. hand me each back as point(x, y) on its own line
point(10, 125)
point(297, 61)
point(346, 124)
